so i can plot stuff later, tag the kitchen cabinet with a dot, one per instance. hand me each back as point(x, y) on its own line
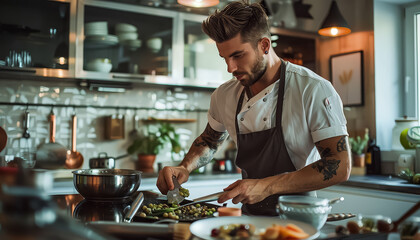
point(36, 37)
point(145, 44)
point(137, 41)
point(118, 42)
point(107, 41)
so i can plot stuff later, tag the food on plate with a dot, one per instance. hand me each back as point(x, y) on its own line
point(174, 212)
point(234, 231)
point(184, 192)
point(248, 231)
point(279, 232)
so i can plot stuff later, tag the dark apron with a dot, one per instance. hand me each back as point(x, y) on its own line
point(263, 154)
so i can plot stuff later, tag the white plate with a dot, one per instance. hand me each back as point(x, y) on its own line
point(202, 228)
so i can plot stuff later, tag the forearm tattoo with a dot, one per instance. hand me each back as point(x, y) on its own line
point(328, 167)
point(212, 139)
point(342, 145)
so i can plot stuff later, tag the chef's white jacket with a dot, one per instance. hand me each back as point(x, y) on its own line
point(312, 111)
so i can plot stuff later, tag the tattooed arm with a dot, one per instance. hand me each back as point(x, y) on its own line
point(200, 153)
point(333, 167)
point(202, 150)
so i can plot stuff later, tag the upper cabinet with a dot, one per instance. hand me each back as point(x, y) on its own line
point(36, 38)
point(124, 42)
point(132, 43)
point(117, 43)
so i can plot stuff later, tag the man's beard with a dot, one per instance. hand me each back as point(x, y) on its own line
point(257, 71)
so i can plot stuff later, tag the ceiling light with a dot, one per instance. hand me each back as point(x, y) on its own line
point(198, 3)
point(334, 24)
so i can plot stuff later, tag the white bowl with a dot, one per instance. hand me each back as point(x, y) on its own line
point(307, 209)
point(125, 27)
point(127, 36)
point(154, 44)
point(99, 65)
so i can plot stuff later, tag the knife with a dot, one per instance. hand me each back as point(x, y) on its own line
point(173, 195)
point(208, 198)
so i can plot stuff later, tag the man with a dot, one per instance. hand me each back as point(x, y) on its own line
point(287, 122)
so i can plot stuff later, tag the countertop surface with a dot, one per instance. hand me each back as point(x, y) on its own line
point(379, 182)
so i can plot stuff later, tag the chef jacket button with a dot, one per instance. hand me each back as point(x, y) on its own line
point(242, 119)
point(249, 107)
point(265, 94)
point(265, 119)
point(265, 99)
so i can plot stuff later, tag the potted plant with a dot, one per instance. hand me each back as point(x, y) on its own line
point(358, 146)
point(152, 141)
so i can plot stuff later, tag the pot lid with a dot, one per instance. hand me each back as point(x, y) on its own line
point(303, 200)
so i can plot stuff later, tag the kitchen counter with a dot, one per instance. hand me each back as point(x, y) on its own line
point(74, 206)
point(380, 182)
point(64, 184)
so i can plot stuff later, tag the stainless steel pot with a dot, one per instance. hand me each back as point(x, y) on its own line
point(103, 161)
point(106, 184)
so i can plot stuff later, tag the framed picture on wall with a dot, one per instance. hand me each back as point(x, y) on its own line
point(346, 72)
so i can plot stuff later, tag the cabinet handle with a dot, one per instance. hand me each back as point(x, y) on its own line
point(20, 70)
point(128, 77)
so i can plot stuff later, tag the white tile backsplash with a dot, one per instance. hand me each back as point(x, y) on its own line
point(90, 131)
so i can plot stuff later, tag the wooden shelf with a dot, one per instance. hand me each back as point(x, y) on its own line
point(171, 120)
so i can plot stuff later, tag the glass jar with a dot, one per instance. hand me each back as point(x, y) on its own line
point(400, 125)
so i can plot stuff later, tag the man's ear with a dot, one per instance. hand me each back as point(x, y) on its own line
point(265, 44)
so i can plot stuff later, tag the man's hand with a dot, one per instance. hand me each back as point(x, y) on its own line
point(164, 181)
point(245, 191)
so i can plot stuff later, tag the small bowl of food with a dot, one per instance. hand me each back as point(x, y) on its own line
point(311, 210)
point(410, 229)
point(374, 223)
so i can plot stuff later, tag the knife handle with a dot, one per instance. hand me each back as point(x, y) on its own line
point(175, 181)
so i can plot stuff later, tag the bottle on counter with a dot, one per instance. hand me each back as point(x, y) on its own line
point(373, 158)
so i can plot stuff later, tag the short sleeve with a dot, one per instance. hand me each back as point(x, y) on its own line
point(324, 108)
point(213, 115)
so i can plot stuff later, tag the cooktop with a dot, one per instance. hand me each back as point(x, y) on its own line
point(75, 206)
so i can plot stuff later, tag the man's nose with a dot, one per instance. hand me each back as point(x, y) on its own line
point(231, 66)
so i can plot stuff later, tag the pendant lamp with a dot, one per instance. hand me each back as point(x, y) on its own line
point(198, 3)
point(334, 24)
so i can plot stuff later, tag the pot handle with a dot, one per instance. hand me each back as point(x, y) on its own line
point(134, 207)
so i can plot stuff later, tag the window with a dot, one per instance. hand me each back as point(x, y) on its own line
point(412, 60)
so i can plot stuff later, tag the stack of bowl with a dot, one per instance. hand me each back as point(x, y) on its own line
point(97, 35)
point(96, 28)
point(127, 35)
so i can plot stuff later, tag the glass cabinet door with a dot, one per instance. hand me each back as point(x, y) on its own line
point(35, 36)
point(124, 41)
point(202, 62)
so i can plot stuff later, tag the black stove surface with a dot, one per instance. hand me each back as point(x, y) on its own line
point(103, 210)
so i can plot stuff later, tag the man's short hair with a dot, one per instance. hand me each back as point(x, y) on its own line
point(250, 20)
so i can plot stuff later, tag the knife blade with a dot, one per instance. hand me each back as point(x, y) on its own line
point(173, 195)
point(209, 198)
